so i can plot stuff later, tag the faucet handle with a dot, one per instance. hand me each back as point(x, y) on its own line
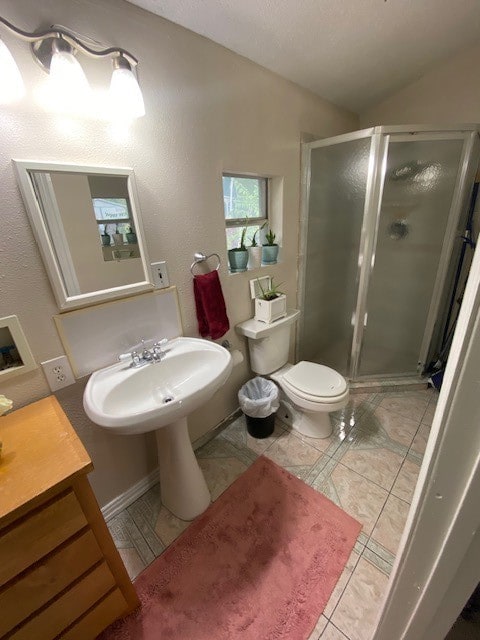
point(157, 350)
point(134, 358)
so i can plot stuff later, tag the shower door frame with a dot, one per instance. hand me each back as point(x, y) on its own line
point(304, 215)
point(381, 138)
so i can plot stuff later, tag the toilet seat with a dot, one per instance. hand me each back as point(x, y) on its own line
point(311, 374)
point(318, 403)
point(315, 382)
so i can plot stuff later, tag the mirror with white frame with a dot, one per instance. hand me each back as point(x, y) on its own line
point(87, 223)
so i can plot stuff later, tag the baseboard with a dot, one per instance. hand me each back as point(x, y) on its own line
point(129, 496)
point(199, 442)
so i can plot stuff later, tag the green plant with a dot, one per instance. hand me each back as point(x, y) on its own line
point(242, 246)
point(254, 237)
point(271, 292)
point(270, 238)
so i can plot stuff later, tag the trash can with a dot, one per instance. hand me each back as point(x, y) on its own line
point(259, 401)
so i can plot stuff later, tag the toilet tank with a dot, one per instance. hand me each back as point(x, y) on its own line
point(268, 344)
point(270, 353)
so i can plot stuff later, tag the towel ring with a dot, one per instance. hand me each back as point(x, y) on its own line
point(201, 257)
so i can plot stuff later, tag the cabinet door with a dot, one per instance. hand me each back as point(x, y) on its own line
point(32, 537)
point(59, 614)
point(47, 579)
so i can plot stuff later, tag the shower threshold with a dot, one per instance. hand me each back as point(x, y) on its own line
point(373, 385)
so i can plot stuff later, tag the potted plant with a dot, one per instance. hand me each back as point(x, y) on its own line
point(238, 257)
point(271, 304)
point(131, 235)
point(117, 237)
point(270, 249)
point(255, 251)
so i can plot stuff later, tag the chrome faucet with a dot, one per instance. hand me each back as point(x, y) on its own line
point(146, 356)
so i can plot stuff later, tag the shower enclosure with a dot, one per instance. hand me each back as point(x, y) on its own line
point(381, 215)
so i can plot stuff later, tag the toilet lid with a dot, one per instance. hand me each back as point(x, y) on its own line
point(315, 380)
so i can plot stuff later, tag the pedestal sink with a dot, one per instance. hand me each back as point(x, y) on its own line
point(158, 397)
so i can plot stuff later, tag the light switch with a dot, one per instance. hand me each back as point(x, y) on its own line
point(160, 274)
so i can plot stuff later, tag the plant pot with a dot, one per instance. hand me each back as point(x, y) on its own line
point(118, 238)
point(132, 238)
point(269, 253)
point(270, 310)
point(254, 257)
point(237, 259)
point(106, 240)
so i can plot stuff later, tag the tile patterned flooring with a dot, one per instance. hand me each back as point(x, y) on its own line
point(369, 467)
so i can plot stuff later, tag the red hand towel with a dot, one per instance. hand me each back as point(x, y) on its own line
point(210, 304)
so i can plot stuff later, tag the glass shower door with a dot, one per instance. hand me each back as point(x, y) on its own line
point(338, 184)
point(420, 180)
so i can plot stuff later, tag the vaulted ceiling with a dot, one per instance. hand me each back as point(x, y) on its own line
point(351, 52)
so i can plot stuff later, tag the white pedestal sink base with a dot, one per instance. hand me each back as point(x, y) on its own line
point(182, 485)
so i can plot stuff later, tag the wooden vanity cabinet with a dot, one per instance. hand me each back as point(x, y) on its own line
point(60, 573)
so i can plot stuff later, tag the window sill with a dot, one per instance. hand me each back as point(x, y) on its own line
point(263, 266)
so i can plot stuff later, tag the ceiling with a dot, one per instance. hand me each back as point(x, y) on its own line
point(351, 52)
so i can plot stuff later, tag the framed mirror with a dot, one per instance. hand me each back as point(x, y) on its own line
point(86, 221)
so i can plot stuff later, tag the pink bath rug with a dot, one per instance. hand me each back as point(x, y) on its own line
point(259, 564)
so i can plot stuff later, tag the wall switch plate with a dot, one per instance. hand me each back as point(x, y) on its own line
point(58, 372)
point(160, 274)
point(255, 290)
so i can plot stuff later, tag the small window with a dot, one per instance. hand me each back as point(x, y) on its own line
point(245, 205)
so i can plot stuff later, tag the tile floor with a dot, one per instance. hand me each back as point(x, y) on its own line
point(369, 467)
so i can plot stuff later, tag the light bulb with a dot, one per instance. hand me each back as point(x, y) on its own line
point(126, 99)
point(68, 86)
point(11, 83)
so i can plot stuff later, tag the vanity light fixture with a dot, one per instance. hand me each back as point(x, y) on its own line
point(55, 50)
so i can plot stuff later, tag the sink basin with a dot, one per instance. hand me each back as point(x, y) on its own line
point(158, 397)
point(126, 400)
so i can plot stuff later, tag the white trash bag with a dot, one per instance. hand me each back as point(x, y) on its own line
point(259, 398)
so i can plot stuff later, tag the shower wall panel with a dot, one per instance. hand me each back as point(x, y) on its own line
point(335, 212)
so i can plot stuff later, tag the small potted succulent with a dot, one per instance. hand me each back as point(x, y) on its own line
point(270, 249)
point(255, 251)
point(117, 237)
point(271, 304)
point(238, 257)
point(131, 235)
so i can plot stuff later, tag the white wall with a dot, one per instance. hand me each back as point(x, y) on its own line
point(208, 110)
point(449, 93)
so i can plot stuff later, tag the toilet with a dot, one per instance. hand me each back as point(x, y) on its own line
point(309, 391)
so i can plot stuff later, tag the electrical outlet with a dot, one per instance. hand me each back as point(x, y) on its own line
point(160, 274)
point(58, 372)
